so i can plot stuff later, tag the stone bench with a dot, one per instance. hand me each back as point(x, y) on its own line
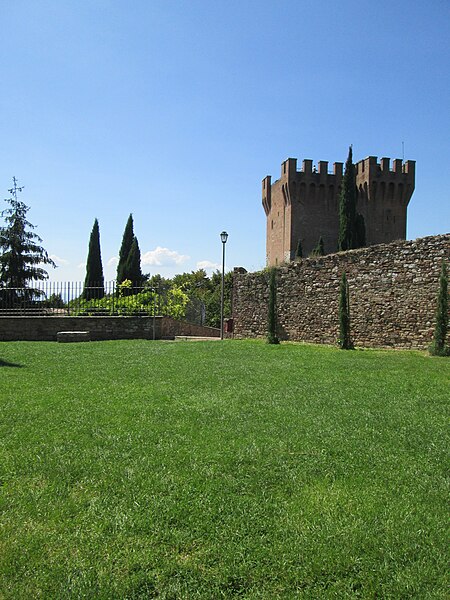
point(73, 336)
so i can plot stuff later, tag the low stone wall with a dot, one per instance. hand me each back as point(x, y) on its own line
point(393, 292)
point(99, 328)
point(172, 327)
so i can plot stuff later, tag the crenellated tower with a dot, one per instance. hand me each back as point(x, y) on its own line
point(305, 204)
point(383, 196)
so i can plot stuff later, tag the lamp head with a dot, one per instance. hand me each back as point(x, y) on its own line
point(224, 237)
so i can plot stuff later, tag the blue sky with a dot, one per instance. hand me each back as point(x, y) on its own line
point(176, 110)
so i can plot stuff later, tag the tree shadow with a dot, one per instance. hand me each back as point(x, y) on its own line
point(5, 363)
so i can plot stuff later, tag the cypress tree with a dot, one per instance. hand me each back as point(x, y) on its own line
point(347, 206)
point(319, 250)
point(133, 264)
point(344, 315)
point(299, 250)
point(94, 281)
point(127, 241)
point(438, 347)
point(272, 337)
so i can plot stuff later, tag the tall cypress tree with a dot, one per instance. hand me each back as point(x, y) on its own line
point(133, 264)
point(347, 206)
point(438, 347)
point(272, 337)
point(127, 242)
point(94, 281)
point(345, 342)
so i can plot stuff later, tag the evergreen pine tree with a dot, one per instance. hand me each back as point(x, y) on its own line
point(272, 337)
point(94, 281)
point(344, 315)
point(438, 347)
point(299, 250)
point(127, 241)
point(319, 250)
point(21, 252)
point(347, 206)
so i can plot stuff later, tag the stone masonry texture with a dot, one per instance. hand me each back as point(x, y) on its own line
point(393, 293)
point(100, 328)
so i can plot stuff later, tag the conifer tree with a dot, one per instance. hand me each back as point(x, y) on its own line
point(272, 337)
point(133, 264)
point(127, 242)
point(438, 347)
point(347, 206)
point(352, 228)
point(344, 315)
point(20, 249)
point(319, 250)
point(94, 281)
point(299, 250)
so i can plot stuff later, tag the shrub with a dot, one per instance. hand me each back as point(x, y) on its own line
point(319, 250)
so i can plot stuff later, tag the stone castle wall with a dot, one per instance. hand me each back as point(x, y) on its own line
point(393, 292)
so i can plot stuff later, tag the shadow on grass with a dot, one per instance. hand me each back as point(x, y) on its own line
point(5, 363)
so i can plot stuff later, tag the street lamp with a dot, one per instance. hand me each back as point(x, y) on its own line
point(223, 239)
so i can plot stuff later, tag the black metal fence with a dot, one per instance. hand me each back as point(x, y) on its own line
point(54, 298)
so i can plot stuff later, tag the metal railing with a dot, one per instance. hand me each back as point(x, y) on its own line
point(54, 298)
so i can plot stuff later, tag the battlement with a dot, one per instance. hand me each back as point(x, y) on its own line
point(370, 165)
point(289, 168)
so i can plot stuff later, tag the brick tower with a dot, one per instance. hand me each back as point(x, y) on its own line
point(304, 205)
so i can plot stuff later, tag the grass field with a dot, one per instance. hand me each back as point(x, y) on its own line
point(136, 469)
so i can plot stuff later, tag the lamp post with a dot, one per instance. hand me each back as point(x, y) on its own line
point(223, 239)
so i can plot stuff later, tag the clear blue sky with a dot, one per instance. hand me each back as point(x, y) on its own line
point(175, 110)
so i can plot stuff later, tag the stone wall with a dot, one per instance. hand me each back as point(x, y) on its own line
point(100, 328)
point(172, 327)
point(393, 291)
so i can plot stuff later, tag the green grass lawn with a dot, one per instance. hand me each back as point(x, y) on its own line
point(139, 469)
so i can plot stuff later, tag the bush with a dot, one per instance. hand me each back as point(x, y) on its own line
point(319, 250)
